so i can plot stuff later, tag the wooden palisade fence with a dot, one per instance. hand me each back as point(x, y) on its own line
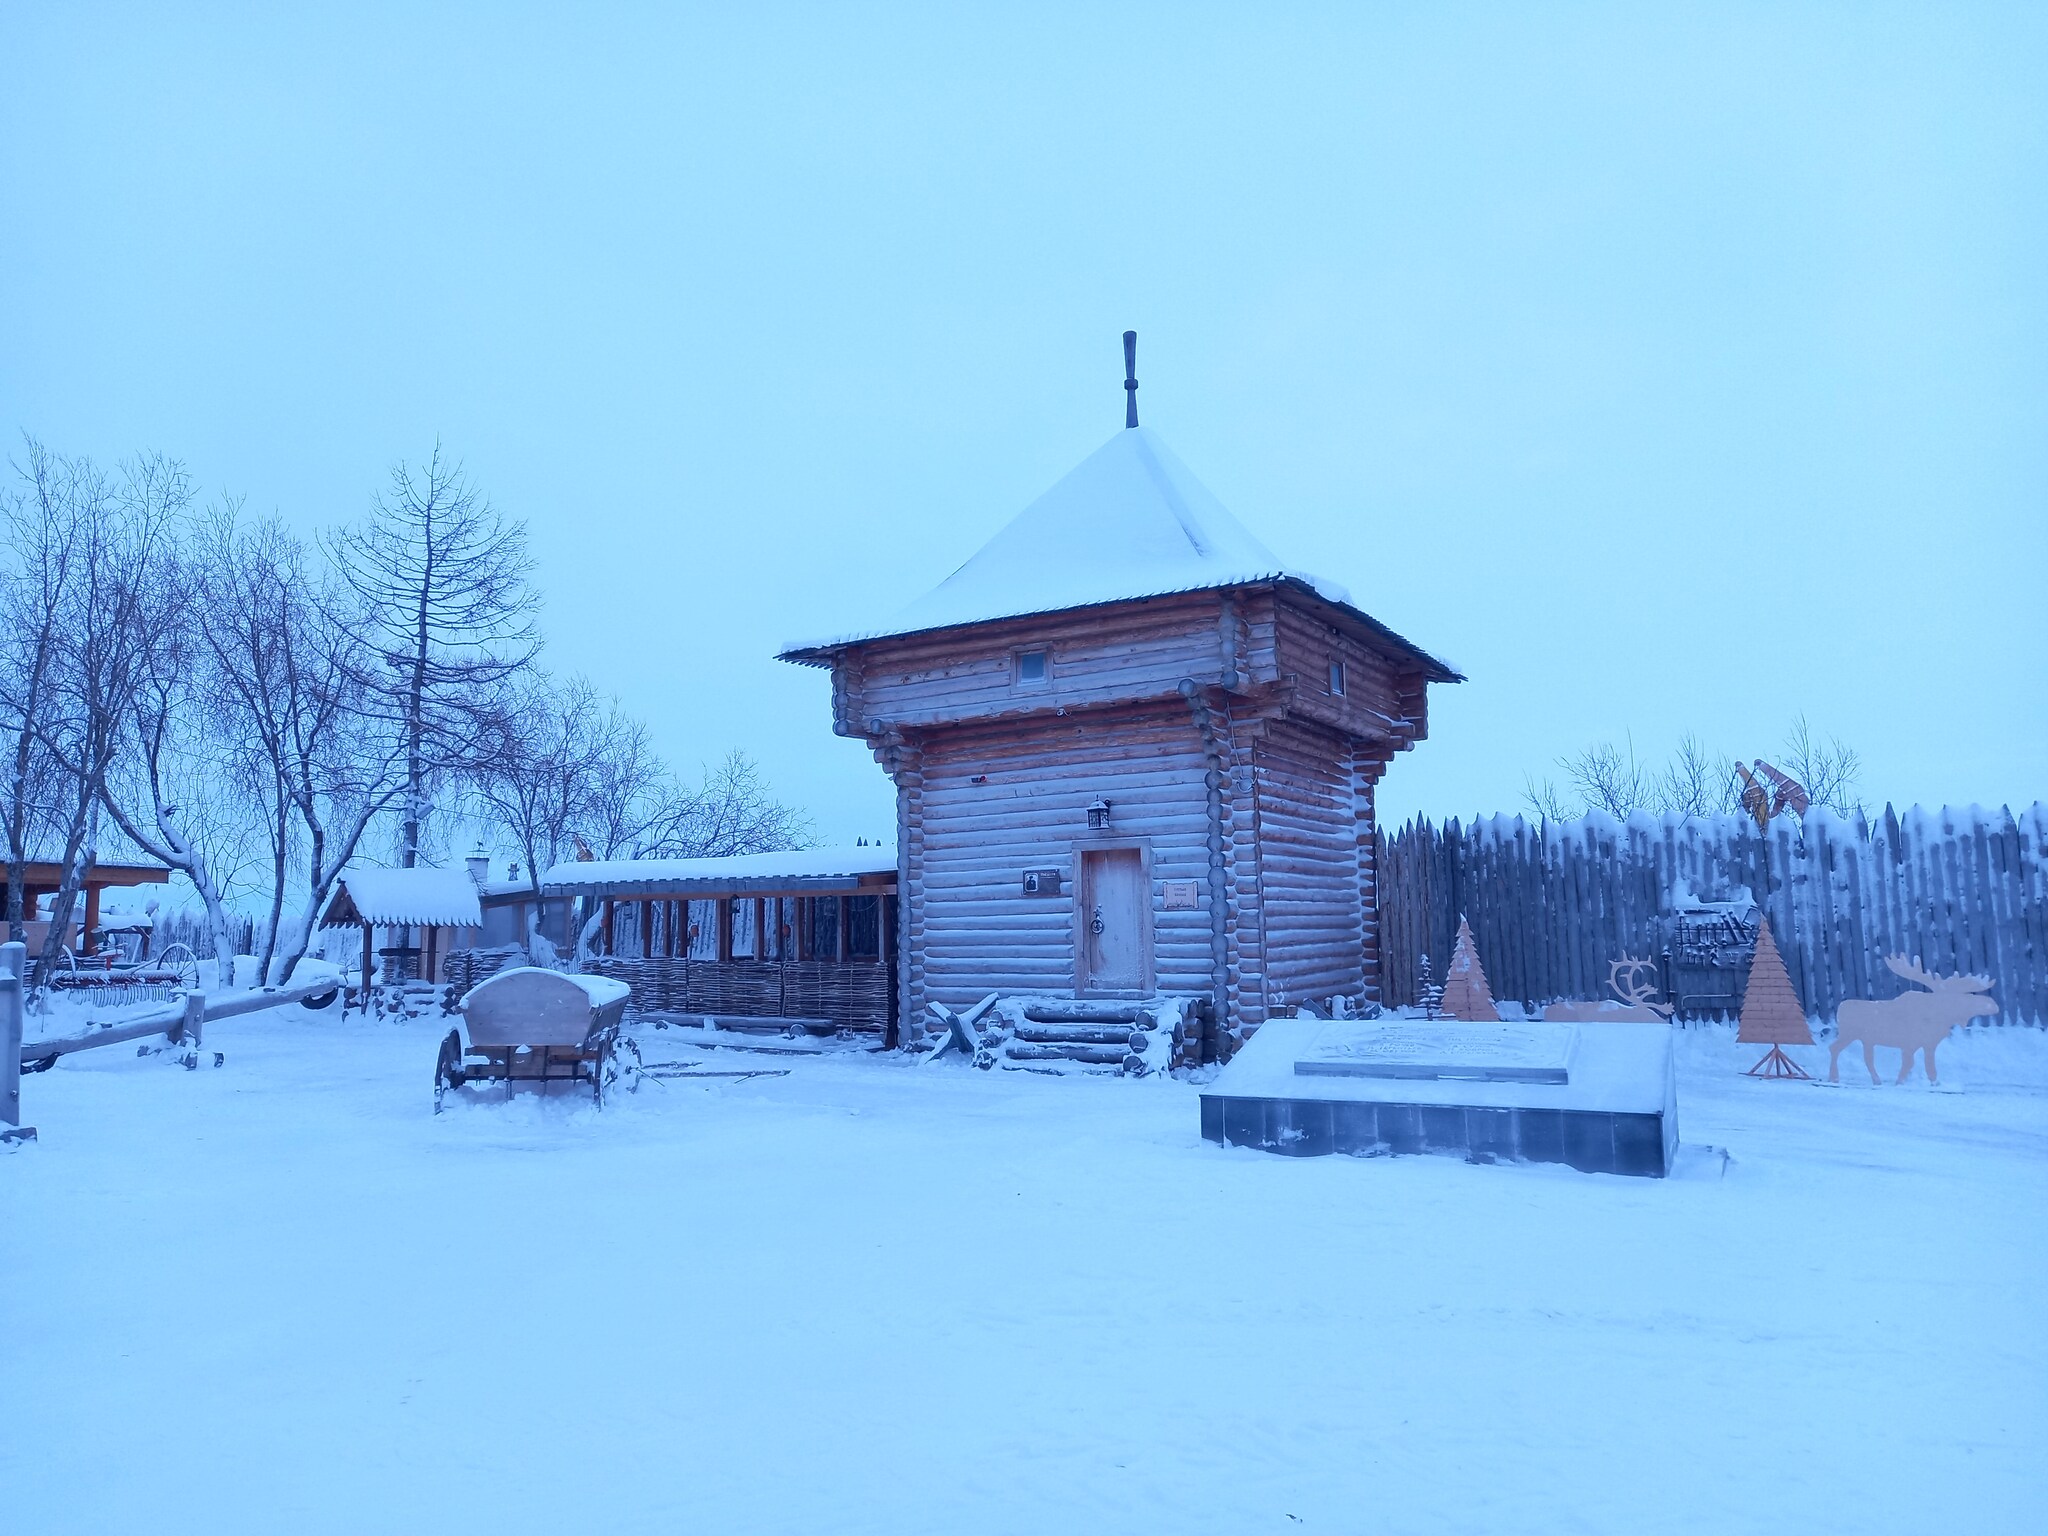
point(1551, 905)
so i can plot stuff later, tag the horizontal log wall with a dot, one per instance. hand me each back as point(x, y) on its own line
point(973, 931)
point(1137, 650)
point(1134, 650)
point(1308, 866)
point(1378, 689)
point(1552, 906)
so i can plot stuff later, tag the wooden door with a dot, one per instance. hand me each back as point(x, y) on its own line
point(1116, 917)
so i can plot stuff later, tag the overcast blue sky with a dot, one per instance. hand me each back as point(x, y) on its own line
point(1667, 368)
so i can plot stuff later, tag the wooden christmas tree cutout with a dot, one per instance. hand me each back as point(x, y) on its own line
point(1466, 995)
point(1771, 1011)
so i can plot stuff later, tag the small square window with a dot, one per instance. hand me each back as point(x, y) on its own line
point(1337, 677)
point(1031, 670)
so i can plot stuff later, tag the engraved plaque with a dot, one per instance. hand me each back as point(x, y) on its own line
point(1182, 895)
point(1497, 1053)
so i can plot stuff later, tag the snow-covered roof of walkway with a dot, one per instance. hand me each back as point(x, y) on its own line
point(800, 870)
point(1130, 521)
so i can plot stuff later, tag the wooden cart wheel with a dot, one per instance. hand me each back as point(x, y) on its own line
point(448, 1068)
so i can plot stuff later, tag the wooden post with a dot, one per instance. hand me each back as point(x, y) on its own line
point(193, 1026)
point(611, 912)
point(646, 930)
point(368, 959)
point(760, 929)
point(723, 907)
point(92, 919)
point(13, 967)
point(841, 956)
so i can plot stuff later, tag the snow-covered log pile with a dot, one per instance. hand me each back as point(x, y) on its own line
point(1105, 1036)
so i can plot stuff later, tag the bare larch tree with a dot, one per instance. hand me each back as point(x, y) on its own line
point(442, 580)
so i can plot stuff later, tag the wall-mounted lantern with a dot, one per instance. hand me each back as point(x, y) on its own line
point(1098, 816)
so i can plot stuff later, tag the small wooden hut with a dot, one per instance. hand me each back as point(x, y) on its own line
point(769, 940)
point(439, 906)
point(1134, 754)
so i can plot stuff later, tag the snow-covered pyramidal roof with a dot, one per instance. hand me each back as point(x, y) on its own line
point(1130, 521)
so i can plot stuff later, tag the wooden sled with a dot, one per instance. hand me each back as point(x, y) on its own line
point(539, 1027)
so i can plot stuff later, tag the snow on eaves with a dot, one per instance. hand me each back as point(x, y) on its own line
point(395, 898)
point(800, 864)
point(1129, 522)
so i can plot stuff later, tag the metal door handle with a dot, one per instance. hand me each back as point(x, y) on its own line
point(1095, 923)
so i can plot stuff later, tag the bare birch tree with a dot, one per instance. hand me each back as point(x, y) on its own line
point(569, 764)
point(35, 594)
point(1697, 782)
point(536, 784)
point(442, 580)
point(175, 794)
point(121, 533)
point(732, 810)
point(293, 664)
point(1828, 770)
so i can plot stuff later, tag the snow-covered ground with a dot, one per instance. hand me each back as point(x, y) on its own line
point(873, 1297)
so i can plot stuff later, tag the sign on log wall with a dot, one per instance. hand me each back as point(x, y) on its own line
point(1552, 905)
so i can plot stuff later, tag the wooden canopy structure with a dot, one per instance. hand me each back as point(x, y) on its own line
point(43, 877)
point(441, 903)
point(1134, 754)
point(805, 936)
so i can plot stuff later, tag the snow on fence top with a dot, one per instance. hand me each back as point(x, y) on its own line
point(403, 898)
point(1130, 521)
point(801, 869)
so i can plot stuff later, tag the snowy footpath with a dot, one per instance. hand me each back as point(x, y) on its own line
point(283, 1296)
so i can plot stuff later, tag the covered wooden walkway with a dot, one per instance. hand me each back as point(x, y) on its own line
point(803, 937)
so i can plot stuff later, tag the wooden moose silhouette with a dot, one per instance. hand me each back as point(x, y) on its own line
point(1912, 1021)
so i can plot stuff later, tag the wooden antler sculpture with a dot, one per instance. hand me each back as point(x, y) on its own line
point(1912, 1021)
point(1636, 982)
point(1633, 982)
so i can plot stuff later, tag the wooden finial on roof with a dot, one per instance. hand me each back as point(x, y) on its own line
point(1130, 378)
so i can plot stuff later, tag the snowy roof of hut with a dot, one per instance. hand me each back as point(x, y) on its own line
point(1130, 521)
point(800, 869)
point(404, 898)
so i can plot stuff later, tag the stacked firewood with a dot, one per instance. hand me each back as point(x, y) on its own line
point(1054, 1034)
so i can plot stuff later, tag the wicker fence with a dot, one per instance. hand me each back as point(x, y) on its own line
point(1553, 905)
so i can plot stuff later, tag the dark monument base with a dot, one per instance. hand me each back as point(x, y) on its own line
point(1618, 1115)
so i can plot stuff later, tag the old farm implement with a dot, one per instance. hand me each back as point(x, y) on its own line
point(179, 1021)
point(539, 1028)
